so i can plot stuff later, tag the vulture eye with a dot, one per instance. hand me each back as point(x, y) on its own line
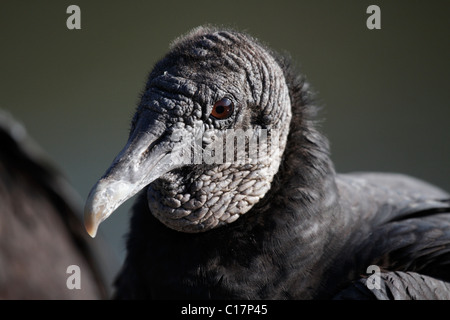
point(223, 109)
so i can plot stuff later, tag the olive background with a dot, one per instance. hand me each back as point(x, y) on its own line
point(385, 93)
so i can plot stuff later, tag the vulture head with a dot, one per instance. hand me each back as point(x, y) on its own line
point(208, 135)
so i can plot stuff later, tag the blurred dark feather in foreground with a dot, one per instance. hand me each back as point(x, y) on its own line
point(40, 230)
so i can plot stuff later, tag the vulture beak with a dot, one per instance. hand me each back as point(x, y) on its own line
point(146, 156)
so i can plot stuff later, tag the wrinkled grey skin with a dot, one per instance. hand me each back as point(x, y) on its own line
point(286, 227)
point(179, 95)
point(209, 196)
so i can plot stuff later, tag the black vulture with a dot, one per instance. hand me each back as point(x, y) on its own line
point(43, 245)
point(271, 220)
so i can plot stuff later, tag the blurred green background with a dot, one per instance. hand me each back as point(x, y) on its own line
point(385, 92)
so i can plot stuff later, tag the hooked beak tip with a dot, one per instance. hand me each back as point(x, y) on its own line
point(90, 225)
point(95, 210)
point(104, 198)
